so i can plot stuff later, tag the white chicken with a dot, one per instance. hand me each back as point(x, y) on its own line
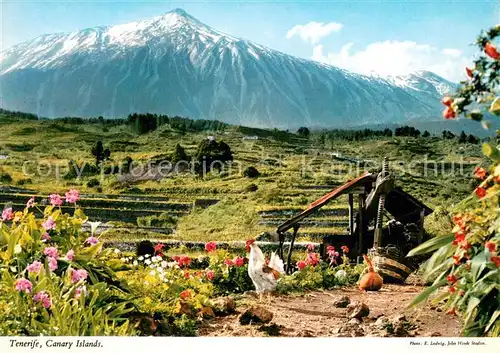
point(264, 275)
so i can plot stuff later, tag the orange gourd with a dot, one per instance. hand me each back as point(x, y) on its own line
point(370, 281)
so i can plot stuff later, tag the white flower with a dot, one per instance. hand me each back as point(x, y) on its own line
point(147, 261)
point(163, 264)
point(147, 255)
point(17, 249)
point(124, 259)
point(154, 259)
point(159, 269)
point(140, 258)
point(146, 283)
point(135, 263)
point(152, 266)
point(152, 273)
point(117, 251)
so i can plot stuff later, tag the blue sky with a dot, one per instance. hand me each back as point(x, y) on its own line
point(385, 37)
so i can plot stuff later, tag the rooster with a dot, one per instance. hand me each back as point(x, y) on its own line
point(371, 281)
point(264, 275)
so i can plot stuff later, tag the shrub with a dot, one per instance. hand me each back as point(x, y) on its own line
point(93, 183)
point(251, 172)
point(467, 263)
point(251, 188)
point(5, 177)
point(51, 272)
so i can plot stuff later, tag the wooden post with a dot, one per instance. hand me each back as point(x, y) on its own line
point(351, 214)
point(421, 233)
point(289, 257)
point(361, 228)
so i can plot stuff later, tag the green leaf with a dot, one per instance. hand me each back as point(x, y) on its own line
point(428, 291)
point(495, 106)
point(431, 245)
point(491, 152)
point(478, 264)
point(494, 317)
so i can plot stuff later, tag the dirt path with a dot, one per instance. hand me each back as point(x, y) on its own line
point(313, 315)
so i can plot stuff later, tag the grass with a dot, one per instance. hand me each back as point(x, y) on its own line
point(294, 172)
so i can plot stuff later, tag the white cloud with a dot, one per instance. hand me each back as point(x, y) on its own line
point(313, 32)
point(452, 52)
point(396, 58)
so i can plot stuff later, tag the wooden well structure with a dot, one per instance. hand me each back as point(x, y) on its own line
point(373, 199)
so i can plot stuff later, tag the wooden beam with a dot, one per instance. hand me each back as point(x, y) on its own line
point(361, 228)
point(351, 214)
point(289, 257)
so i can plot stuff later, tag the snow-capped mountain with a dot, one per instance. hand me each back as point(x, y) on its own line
point(176, 65)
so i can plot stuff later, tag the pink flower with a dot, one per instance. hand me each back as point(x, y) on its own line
point(7, 214)
point(23, 285)
point(210, 246)
point(345, 249)
point(70, 255)
point(77, 275)
point(301, 265)
point(312, 259)
point(72, 196)
point(92, 240)
point(46, 237)
point(49, 224)
point(51, 252)
point(229, 262)
point(52, 263)
point(311, 247)
point(34, 267)
point(79, 291)
point(44, 298)
point(30, 203)
point(210, 275)
point(239, 261)
point(55, 200)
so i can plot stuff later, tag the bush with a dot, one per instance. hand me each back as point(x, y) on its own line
point(5, 177)
point(467, 263)
point(93, 183)
point(251, 188)
point(51, 272)
point(251, 172)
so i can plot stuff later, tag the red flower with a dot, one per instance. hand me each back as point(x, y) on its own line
point(465, 245)
point(480, 173)
point(239, 261)
point(456, 259)
point(176, 258)
point(210, 246)
point(480, 192)
point(491, 51)
point(210, 275)
point(183, 261)
point(451, 278)
point(452, 312)
point(459, 237)
point(447, 101)
point(229, 262)
point(449, 113)
point(496, 260)
point(185, 294)
point(491, 246)
point(158, 248)
point(452, 289)
point(345, 249)
point(186, 274)
point(469, 72)
point(457, 219)
point(301, 265)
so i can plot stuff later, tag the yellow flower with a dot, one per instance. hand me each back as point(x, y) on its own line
point(147, 300)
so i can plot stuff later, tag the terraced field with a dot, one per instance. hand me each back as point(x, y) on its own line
point(224, 206)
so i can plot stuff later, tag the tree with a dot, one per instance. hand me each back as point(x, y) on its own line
point(179, 155)
point(212, 155)
point(303, 132)
point(426, 134)
point(100, 153)
point(462, 138)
